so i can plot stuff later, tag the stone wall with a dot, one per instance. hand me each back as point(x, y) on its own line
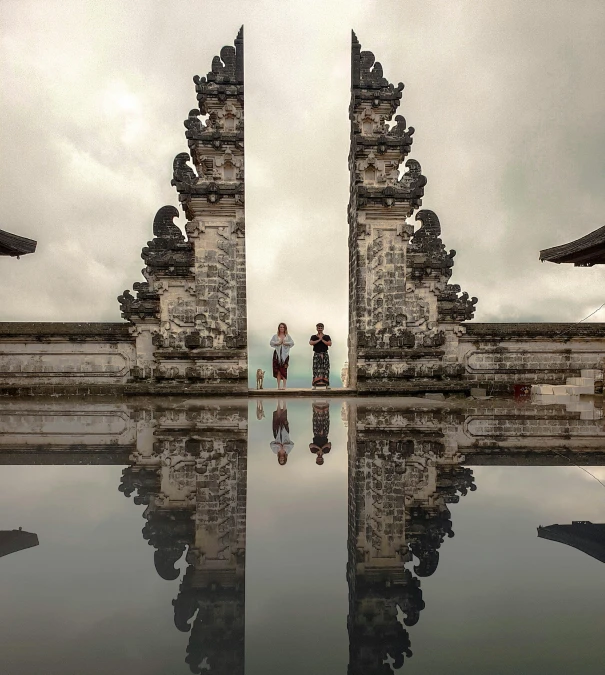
point(186, 324)
point(498, 355)
point(191, 472)
point(404, 315)
point(406, 321)
point(59, 358)
point(189, 315)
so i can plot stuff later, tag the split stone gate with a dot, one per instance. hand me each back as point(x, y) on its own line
point(186, 324)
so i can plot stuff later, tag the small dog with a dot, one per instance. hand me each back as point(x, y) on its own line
point(260, 376)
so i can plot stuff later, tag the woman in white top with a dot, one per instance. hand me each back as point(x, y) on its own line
point(282, 343)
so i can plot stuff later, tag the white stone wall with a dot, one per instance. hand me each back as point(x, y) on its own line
point(56, 426)
point(497, 356)
point(64, 356)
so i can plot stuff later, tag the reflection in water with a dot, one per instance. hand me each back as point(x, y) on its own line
point(281, 443)
point(581, 534)
point(192, 478)
point(12, 541)
point(399, 489)
point(405, 467)
point(193, 481)
point(321, 429)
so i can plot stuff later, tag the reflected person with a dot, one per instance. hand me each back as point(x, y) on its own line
point(321, 428)
point(281, 444)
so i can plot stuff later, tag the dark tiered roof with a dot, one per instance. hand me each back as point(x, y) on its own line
point(585, 536)
point(13, 245)
point(12, 541)
point(584, 252)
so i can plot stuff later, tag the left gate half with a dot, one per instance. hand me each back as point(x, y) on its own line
point(186, 327)
point(188, 317)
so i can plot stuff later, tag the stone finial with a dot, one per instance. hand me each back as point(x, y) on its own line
point(431, 227)
point(226, 77)
point(163, 225)
point(367, 74)
point(182, 173)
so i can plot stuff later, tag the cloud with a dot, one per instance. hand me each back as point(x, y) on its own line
point(505, 99)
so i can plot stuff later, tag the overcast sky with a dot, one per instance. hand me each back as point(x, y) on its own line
point(507, 98)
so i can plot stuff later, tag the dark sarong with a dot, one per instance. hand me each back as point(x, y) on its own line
point(281, 368)
point(280, 422)
point(321, 369)
point(321, 421)
point(321, 429)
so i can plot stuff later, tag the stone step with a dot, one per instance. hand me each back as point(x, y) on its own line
point(581, 406)
point(581, 390)
point(542, 389)
point(593, 374)
point(580, 381)
point(550, 399)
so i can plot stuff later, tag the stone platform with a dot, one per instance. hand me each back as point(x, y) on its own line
point(300, 392)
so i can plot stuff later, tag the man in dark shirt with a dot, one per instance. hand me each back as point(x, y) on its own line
point(321, 361)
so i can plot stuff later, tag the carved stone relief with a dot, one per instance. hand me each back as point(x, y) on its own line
point(189, 316)
point(399, 296)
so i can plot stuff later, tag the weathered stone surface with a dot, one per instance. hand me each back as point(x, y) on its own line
point(193, 302)
point(192, 475)
point(404, 316)
point(59, 355)
point(408, 461)
point(497, 356)
point(47, 331)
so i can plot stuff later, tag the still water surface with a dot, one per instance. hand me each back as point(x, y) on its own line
point(249, 565)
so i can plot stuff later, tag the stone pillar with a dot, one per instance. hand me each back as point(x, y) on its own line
point(193, 478)
point(403, 315)
point(403, 472)
point(189, 317)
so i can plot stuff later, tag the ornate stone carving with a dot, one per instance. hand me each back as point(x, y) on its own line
point(193, 478)
point(146, 305)
point(402, 320)
point(426, 252)
point(226, 77)
point(404, 470)
point(168, 254)
point(182, 173)
point(191, 310)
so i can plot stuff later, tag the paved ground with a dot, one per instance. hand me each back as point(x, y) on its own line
point(320, 391)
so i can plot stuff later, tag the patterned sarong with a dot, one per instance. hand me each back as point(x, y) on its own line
point(321, 369)
point(321, 420)
point(281, 368)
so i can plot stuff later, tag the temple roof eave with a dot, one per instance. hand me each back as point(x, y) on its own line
point(14, 245)
point(585, 251)
point(582, 535)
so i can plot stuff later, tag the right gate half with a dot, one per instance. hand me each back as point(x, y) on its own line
point(404, 316)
